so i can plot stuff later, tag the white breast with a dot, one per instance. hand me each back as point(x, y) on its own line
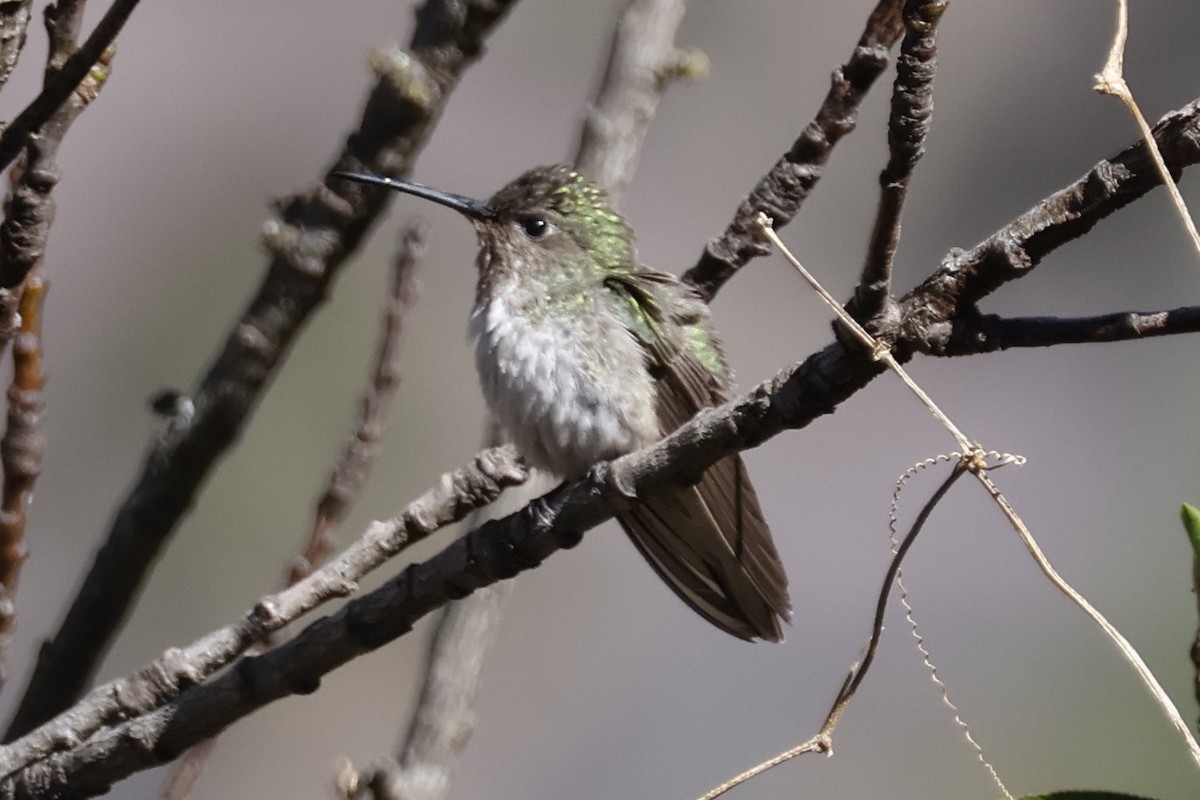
point(542, 378)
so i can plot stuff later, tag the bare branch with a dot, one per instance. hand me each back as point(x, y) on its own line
point(908, 126)
point(309, 242)
point(445, 715)
point(456, 495)
point(641, 61)
point(822, 741)
point(354, 467)
point(14, 23)
point(349, 474)
point(65, 80)
point(21, 452)
point(784, 189)
point(986, 333)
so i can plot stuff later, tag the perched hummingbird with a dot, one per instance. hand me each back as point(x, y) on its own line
point(585, 355)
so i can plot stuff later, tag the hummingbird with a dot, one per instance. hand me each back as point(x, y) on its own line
point(585, 355)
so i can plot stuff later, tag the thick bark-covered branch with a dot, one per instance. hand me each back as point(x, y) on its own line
point(308, 243)
point(986, 333)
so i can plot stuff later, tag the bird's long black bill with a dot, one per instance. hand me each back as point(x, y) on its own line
point(468, 206)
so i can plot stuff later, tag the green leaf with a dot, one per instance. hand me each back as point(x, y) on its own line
point(1191, 524)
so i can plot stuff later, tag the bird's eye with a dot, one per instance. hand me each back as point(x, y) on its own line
point(535, 227)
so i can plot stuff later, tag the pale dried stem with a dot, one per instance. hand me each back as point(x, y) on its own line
point(1127, 650)
point(822, 742)
point(1111, 81)
point(879, 350)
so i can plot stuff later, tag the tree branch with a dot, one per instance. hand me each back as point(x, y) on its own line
point(456, 495)
point(642, 60)
point(14, 23)
point(908, 126)
point(64, 81)
point(308, 243)
point(21, 451)
point(967, 276)
point(986, 333)
point(495, 551)
point(783, 190)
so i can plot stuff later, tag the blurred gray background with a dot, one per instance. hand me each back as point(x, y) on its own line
point(602, 684)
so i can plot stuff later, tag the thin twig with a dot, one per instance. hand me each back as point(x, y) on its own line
point(349, 474)
point(878, 349)
point(822, 741)
point(358, 457)
point(1111, 81)
point(308, 243)
point(21, 452)
point(65, 81)
point(908, 127)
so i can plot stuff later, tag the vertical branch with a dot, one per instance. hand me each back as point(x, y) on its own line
point(908, 126)
point(29, 212)
point(642, 61)
point(20, 454)
point(445, 716)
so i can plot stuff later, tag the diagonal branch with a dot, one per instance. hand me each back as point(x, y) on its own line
point(784, 189)
point(308, 243)
point(967, 276)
